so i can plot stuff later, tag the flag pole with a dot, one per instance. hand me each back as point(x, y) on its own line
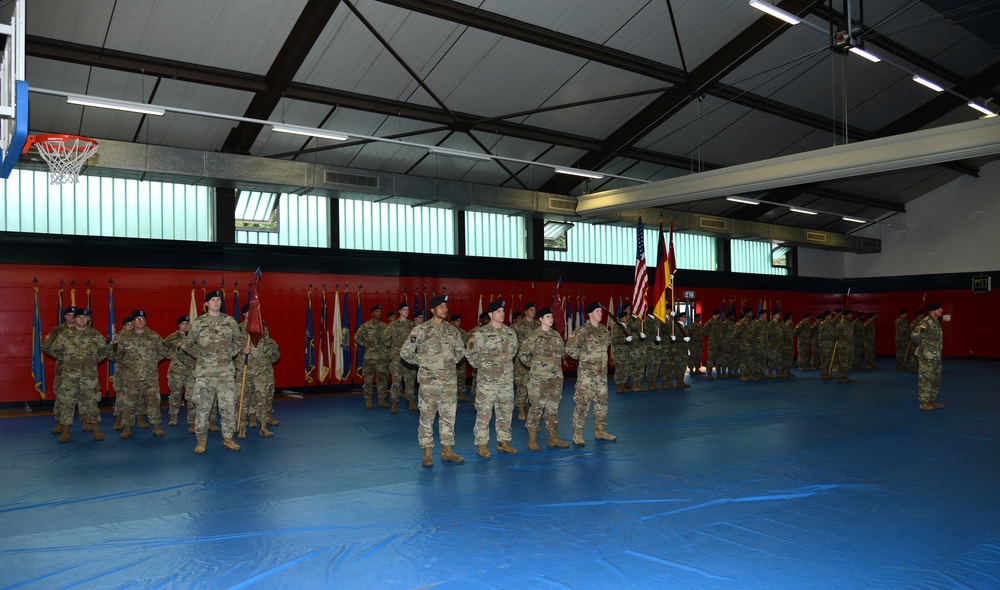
point(243, 386)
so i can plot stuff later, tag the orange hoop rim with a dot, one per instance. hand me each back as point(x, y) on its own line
point(82, 143)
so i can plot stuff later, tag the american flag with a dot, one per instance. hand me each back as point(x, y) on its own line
point(641, 279)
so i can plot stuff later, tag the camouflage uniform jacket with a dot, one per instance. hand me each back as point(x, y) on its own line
point(491, 351)
point(370, 336)
point(51, 338)
point(523, 326)
point(802, 330)
point(214, 341)
point(138, 353)
point(80, 350)
point(542, 352)
point(181, 363)
point(589, 344)
point(929, 338)
point(714, 330)
point(261, 357)
point(844, 333)
point(395, 335)
point(869, 327)
point(435, 348)
point(902, 329)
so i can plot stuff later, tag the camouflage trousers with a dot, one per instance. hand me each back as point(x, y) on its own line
point(900, 353)
point(520, 384)
point(400, 373)
point(591, 388)
point(258, 394)
point(623, 369)
point(869, 352)
point(928, 378)
point(803, 350)
point(637, 365)
point(460, 382)
point(77, 391)
point(493, 396)
point(142, 397)
point(713, 359)
point(544, 395)
point(376, 370)
point(209, 389)
point(845, 359)
point(178, 382)
point(437, 398)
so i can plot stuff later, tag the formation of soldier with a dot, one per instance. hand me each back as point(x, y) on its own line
point(205, 370)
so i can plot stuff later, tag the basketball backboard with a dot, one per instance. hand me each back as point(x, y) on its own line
point(13, 91)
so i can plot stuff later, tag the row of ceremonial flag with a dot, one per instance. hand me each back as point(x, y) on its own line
point(330, 359)
point(662, 296)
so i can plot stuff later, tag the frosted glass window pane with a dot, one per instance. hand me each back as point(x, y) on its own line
point(613, 244)
point(753, 257)
point(396, 228)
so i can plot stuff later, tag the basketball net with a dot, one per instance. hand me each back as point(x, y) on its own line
point(65, 155)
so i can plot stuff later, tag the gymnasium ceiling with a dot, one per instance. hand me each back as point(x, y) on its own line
point(643, 89)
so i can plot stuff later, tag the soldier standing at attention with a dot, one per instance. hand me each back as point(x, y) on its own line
point(456, 320)
point(258, 388)
point(713, 333)
point(79, 348)
point(929, 338)
point(376, 367)
point(589, 345)
point(140, 351)
point(180, 374)
point(68, 314)
point(484, 320)
point(638, 352)
point(802, 333)
point(857, 351)
point(902, 338)
point(542, 352)
point(869, 328)
point(435, 347)
point(622, 341)
point(395, 335)
point(845, 347)
point(678, 352)
point(491, 350)
point(121, 376)
point(912, 360)
point(214, 340)
point(697, 332)
point(522, 327)
point(814, 352)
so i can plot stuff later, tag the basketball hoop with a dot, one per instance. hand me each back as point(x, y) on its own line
point(65, 154)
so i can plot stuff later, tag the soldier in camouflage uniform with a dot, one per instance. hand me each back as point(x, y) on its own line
point(214, 340)
point(180, 374)
point(728, 347)
point(902, 338)
point(697, 333)
point(869, 330)
point(140, 351)
point(436, 347)
point(845, 347)
point(802, 334)
point(68, 314)
point(858, 341)
point(827, 338)
point(121, 376)
point(522, 327)
point(622, 341)
point(376, 367)
point(258, 386)
point(787, 346)
point(713, 334)
point(639, 351)
point(679, 351)
point(589, 344)
point(395, 335)
point(929, 338)
point(655, 353)
point(912, 359)
point(460, 377)
point(743, 340)
point(484, 320)
point(79, 348)
point(542, 352)
point(814, 350)
point(492, 350)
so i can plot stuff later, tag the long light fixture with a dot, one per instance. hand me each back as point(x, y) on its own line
point(982, 109)
point(854, 220)
point(460, 154)
point(865, 54)
point(583, 173)
point(309, 131)
point(743, 200)
point(775, 12)
point(927, 83)
point(115, 105)
point(803, 211)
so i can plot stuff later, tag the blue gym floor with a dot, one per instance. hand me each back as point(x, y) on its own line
point(793, 483)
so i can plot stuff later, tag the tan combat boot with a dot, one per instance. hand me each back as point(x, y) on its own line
point(428, 459)
point(554, 440)
point(253, 421)
point(87, 427)
point(228, 443)
point(533, 440)
point(241, 432)
point(381, 403)
point(923, 406)
point(520, 413)
point(142, 422)
point(368, 404)
point(273, 422)
point(412, 405)
point(938, 406)
point(96, 429)
point(504, 447)
point(126, 432)
point(173, 420)
point(191, 428)
point(64, 436)
point(449, 455)
point(157, 431)
point(483, 452)
point(199, 449)
point(118, 422)
point(58, 429)
point(601, 434)
point(394, 408)
point(265, 432)
point(212, 426)
point(578, 437)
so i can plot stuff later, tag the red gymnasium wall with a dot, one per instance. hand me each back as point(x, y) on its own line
point(165, 294)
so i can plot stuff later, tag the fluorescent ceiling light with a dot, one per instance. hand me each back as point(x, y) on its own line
point(117, 105)
point(309, 131)
point(854, 219)
point(583, 173)
point(982, 109)
point(459, 154)
point(742, 200)
point(775, 12)
point(869, 56)
point(805, 211)
point(927, 83)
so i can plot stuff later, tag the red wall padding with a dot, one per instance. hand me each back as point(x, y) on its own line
point(166, 294)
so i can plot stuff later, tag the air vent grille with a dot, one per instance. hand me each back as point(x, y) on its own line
point(562, 204)
point(869, 244)
point(331, 177)
point(716, 224)
point(815, 236)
